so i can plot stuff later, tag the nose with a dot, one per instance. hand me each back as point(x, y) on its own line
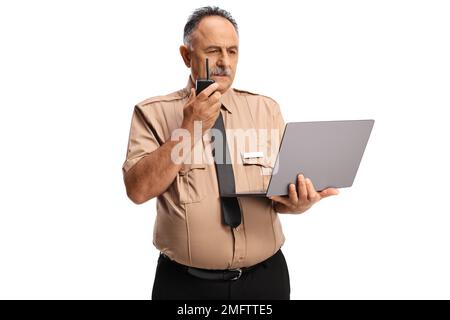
point(224, 60)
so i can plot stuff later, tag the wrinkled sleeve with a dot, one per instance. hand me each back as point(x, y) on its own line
point(142, 139)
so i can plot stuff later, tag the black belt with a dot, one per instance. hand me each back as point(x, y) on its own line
point(206, 274)
point(231, 274)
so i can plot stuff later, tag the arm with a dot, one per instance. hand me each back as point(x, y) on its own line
point(154, 173)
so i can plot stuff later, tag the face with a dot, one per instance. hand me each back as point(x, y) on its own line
point(216, 39)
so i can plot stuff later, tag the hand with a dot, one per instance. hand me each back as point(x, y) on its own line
point(205, 107)
point(303, 199)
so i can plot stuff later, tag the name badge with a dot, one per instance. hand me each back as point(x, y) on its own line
point(249, 155)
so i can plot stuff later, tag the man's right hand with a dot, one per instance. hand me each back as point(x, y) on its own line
point(205, 107)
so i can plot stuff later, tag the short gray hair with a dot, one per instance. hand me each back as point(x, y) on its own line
point(199, 14)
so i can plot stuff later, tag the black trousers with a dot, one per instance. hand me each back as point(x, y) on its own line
point(268, 280)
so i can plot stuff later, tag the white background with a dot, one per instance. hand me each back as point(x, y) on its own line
point(71, 72)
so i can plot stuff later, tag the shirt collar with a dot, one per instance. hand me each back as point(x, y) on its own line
point(227, 97)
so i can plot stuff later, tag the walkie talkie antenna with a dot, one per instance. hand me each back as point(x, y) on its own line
point(201, 84)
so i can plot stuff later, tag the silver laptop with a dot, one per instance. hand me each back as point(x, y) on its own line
point(327, 152)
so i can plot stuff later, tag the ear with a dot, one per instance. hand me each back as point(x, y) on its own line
point(186, 55)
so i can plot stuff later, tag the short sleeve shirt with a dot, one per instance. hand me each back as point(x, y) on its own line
point(188, 226)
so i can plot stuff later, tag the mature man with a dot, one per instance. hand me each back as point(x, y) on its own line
point(212, 247)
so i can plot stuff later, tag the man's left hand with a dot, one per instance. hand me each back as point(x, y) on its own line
point(302, 198)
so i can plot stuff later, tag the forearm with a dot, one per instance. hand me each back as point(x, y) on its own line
point(153, 174)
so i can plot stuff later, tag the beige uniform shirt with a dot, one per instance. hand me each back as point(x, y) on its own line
point(188, 225)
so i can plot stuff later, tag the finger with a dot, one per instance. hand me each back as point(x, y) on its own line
point(303, 192)
point(329, 192)
point(192, 94)
point(293, 197)
point(313, 195)
point(191, 97)
point(215, 97)
point(282, 200)
point(208, 91)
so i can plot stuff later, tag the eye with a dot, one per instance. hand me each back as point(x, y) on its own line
point(213, 51)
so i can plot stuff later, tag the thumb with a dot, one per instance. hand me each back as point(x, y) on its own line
point(190, 99)
point(192, 95)
point(329, 192)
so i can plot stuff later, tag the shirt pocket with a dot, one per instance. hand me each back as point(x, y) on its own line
point(191, 183)
point(258, 171)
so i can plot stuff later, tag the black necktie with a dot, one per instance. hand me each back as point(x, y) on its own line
point(231, 212)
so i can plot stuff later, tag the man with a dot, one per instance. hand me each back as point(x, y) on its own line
point(212, 247)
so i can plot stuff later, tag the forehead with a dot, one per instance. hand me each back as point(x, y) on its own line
point(215, 30)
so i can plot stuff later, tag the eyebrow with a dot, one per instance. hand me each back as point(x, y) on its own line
point(218, 47)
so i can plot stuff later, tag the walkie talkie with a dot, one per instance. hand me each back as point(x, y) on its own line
point(201, 84)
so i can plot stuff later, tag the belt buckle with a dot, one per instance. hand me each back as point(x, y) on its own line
point(239, 274)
